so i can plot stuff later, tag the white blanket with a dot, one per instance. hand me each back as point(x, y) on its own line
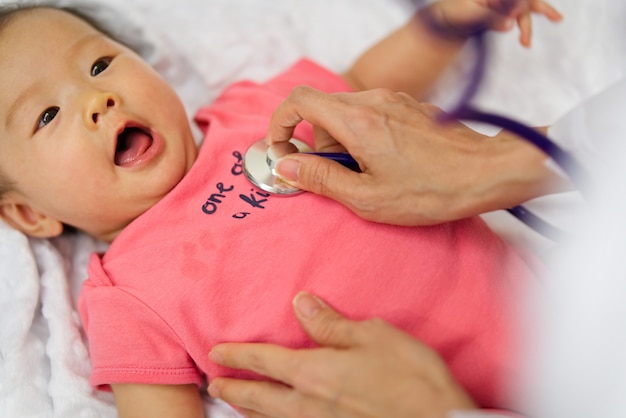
point(203, 45)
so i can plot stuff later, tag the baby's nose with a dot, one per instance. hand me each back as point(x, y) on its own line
point(110, 102)
point(98, 103)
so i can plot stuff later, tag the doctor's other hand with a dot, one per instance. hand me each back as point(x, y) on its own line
point(362, 369)
point(414, 169)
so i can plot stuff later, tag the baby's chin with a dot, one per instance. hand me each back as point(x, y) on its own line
point(167, 182)
point(108, 233)
point(106, 236)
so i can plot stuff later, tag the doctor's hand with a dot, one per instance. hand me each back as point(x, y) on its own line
point(362, 370)
point(415, 171)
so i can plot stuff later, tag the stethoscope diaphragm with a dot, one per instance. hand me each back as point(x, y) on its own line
point(259, 162)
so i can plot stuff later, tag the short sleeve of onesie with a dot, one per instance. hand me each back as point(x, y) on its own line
point(144, 348)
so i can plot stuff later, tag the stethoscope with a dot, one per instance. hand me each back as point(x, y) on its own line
point(259, 160)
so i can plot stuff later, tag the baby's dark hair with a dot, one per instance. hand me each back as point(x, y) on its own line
point(85, 12)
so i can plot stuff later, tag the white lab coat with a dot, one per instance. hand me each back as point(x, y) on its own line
point(578, 345)
point(577, 324)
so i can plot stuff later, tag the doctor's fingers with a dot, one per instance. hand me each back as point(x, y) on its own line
point(317, 373)
point(328, 178)
point(255, 399)
point(396, 377)
point(383, 196)
point(303, 103)
point(320, 321)
point(339, 115)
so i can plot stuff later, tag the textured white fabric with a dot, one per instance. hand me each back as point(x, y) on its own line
point(203, 45)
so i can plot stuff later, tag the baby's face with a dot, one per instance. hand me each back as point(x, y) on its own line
point(91, 135)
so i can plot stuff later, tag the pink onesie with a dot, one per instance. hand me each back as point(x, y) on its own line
point(219, 260)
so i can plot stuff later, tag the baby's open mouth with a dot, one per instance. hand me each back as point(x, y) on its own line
point(132, 143)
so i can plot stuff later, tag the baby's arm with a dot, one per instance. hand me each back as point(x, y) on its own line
point(154, 401)
point(410, 60)
point(414, 56)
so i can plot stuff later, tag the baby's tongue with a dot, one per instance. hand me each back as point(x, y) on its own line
point(131, 145)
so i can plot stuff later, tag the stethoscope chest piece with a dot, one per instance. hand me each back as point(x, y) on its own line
point(259, 161)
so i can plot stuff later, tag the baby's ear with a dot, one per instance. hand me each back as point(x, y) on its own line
point(26, 219)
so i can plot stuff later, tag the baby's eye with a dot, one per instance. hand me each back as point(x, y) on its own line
point(100, 65)
point(46, 117)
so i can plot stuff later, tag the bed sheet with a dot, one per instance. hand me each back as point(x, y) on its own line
point(201, 46)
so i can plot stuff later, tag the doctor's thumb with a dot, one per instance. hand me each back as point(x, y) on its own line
point(322, 323)
point(317, 175)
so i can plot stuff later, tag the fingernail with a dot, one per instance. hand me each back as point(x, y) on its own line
point(213, 391)
point(288, 168)
point(215, 357)
point(307, 305)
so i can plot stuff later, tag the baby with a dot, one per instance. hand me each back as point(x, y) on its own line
point(93, 138)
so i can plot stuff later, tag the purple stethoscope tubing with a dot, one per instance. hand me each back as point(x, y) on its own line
point(563, 159)
point(342, 158)
point(464, 111)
